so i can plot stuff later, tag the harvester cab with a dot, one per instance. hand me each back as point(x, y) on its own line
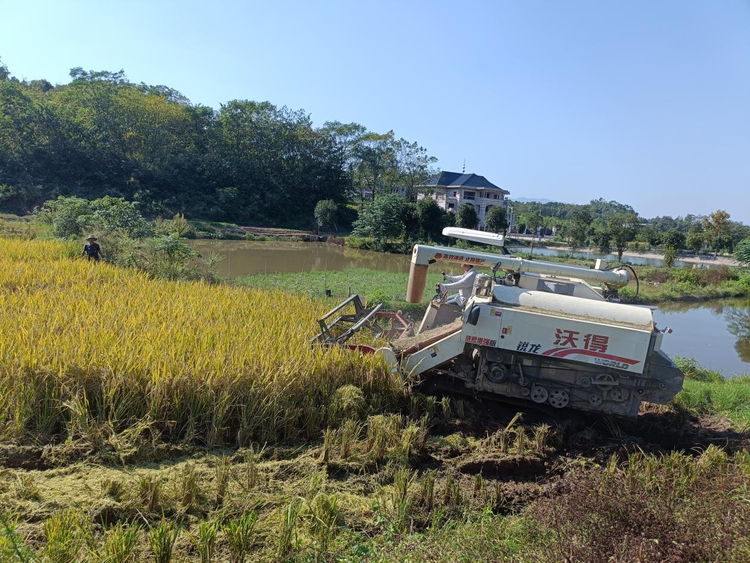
point(546, 332)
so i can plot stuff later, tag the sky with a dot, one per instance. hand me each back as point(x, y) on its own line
point(645, 102)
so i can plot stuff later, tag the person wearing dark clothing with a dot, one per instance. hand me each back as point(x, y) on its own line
point(92, 250)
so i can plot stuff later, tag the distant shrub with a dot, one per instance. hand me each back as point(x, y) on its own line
point(656, 275)
point(715, 275)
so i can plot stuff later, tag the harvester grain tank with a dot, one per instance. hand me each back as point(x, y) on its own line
point(532, 330)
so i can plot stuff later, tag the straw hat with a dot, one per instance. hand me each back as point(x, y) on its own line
point(91, 237)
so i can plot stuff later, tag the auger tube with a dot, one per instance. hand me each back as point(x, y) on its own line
point(422, 256)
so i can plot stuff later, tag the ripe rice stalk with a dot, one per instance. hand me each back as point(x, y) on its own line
point(100, 347)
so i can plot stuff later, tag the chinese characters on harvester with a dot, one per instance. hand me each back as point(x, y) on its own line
point(571, 339)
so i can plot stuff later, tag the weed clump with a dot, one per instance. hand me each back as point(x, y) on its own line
point(668, 508)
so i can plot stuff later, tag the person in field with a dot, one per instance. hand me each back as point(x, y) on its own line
point(463, 283)
point(92, 250)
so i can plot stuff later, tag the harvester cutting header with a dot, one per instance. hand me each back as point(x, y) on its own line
point(530, 329)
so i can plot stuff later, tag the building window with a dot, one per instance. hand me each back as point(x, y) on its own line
point(469, 195)
point(494, 196)
point(450, 206)
point(455, 194)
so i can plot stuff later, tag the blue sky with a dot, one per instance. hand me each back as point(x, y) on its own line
point(646, 102)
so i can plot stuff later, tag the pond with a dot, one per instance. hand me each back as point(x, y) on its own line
point(627, 258)
point(243, 258)
point(716, 333)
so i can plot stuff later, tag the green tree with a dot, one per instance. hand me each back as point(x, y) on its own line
point(715, 225)
point(116, 214)
point(466, 216)
point(674, 239)
point(533, 220)
point(622, 228)
point(65, 215)
point(414, 165)
point(375, 170)
point(650, 235)
point(670, 255)
point(325, 213)
point(72, 216)
point(742, 251)
point(496, 219)
point(694, 240)
point(430, 219)
point(600, 235)
point(382, 219)
point(580, 227)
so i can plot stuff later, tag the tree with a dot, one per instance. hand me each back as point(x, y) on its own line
point(650, 235)
point(116, 214)
point(694, 240)
point(325, 213)
point(376, 167)
point(674, 239)
point(430, 219)
point(414, 165)
point(64, 215)
point(742, 251)
point(580, 227)
point(533, 220)
point(382, 219)
point(600, 235)
point(670, 255)
point(621, 227)
point(715, 225)
point(466, 216)
point(496, 219)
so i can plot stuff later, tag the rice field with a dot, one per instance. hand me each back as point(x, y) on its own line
point(90, 350)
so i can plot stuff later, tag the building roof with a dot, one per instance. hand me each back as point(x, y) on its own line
point(458, 180)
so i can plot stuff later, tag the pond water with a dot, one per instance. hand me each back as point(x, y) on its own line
point(242, 258)
point(716, 333)
point(627, 258)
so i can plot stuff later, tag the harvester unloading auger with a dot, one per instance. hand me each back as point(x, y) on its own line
point(531, 330)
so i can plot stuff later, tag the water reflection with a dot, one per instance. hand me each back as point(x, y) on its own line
point(635, 260)
point(738, 323)
point(716, 333)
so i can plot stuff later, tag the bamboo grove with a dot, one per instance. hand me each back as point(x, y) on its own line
point(90, 350)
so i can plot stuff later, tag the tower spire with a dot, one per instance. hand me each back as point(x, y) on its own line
point(463, 170)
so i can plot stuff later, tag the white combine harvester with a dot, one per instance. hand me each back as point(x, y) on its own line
point(531, 330)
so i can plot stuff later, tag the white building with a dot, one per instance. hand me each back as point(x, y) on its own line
point(452, 189)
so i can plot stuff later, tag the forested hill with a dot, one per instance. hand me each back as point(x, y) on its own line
point(248, 162)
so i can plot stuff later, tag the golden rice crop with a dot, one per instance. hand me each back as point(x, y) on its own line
point(86, 347)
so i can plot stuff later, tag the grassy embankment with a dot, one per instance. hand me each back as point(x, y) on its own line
point(373, 285)
point(707, 392)
point(113, 384)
